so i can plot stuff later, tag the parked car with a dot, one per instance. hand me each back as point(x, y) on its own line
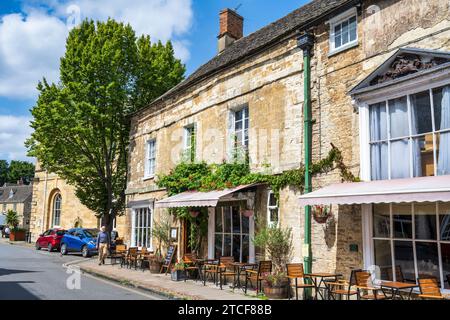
point(80, 240)
point(50, 239)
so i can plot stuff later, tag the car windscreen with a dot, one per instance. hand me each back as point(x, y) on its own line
point(92, 233)
point(61, 232)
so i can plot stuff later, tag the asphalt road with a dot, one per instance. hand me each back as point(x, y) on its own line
point(28, 274)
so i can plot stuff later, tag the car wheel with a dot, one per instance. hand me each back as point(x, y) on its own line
point(85, 252)
point(37, 246)
point(63, 249)
point(50, 248)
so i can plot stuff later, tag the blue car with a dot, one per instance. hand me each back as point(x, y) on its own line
point(80, 240)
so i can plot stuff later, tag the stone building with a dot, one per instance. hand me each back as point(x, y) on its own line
point(364, 54)
point(55, 205)
point(17, 197)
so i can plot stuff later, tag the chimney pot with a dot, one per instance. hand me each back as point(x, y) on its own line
point(231, 28)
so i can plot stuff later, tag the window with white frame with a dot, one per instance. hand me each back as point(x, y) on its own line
point(232, 234)
point(272, 210)
point(150, 163)
point(141, 233)
point(410, 135)
point(57, 210)
point(240, 137)
point(189, 143)
point(412, 241)
point(343, 31)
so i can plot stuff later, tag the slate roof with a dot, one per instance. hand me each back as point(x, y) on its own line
point(21, 193)
point(256, 41)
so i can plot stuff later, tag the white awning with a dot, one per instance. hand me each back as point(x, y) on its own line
point(200, 199)
point(425, 189)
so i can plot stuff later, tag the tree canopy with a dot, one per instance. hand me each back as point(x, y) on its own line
point(16, 170)
point(81, 125)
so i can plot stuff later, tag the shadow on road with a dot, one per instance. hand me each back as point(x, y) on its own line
point(12, 290)
point(5, 272)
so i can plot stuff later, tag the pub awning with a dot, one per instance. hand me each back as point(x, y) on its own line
point(200, 199)
point(425, 189)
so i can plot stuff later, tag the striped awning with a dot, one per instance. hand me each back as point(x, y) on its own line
point(425, 189)
point(200, 199)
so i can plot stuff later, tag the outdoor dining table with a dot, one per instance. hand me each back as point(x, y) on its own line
point(238, 268)
point(394, 287)
point(322, 283)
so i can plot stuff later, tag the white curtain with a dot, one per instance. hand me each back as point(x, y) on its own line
point(444, 145)
point(378, 152)
point(416, 154)
point(398, 111)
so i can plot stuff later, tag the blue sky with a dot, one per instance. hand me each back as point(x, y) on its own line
point(33, 32)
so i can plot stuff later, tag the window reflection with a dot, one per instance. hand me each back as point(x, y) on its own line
point(404, 259)
point(381, 221)
point(402, 217)
point(425, 221)
point(427, 259)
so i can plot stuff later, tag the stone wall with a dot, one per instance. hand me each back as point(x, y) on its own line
point(271, 83)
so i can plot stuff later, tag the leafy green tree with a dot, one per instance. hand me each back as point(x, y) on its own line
point(82, 123)
point(20, 170)
point(3, 172)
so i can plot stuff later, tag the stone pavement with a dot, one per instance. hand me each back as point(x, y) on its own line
point(162, 284)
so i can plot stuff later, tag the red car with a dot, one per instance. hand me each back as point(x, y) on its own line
point(50, 239)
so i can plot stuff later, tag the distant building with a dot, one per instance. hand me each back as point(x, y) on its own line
point(56, 205)
point(17, 197)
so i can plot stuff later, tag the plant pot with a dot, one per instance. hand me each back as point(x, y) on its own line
point(194, 214)
point(155, 266)
point(177, 275)
point(276, 292)
point(321, 219)
point(17, 235)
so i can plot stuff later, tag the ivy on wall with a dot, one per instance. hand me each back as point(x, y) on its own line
point(189, 176)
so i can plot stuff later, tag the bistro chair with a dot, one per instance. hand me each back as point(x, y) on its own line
point(118, 253)
point(131, 258)
point(191, 266)
point(343, 287)
point(259, 275)
point(226, 269)
point(143, 258)
point(365, 287)
point(210, 268)
point(295, 272)
point(429, 288)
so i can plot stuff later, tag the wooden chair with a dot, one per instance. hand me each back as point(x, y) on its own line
point(118, 253)
point(226, 269)
point(365, 287)
point(191, 266)
point(131, 257)
point(264, 269)
point(343, 287)
point(429, 288)
point(210, 268)
point(398, 274)
point(295, 272)
point(143, 258)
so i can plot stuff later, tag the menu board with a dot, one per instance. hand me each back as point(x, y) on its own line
point(169, 258)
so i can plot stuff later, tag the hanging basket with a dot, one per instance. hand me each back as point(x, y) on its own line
point(248, 213)
point(321, 213)
point(194, 214)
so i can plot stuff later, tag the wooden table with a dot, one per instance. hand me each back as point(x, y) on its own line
point(395, 287)
point(322, 276)
point(238, 267)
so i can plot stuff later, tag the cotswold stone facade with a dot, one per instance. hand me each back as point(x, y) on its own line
point(48, 189)
point(17, 197)
point(264, 72)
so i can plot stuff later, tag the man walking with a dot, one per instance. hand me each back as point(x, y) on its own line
point(103, 242)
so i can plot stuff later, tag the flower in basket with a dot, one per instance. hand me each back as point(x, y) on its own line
point(321, 213)
point(179, 266)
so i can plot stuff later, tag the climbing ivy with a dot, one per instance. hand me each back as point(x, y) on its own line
point(188, 176)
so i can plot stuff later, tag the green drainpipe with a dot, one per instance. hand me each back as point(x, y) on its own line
point(306, 43)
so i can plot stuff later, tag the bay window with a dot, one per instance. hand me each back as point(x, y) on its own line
point(410, 135)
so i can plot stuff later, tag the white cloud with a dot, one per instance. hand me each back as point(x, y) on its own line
point(13, 133)
point(32, 42)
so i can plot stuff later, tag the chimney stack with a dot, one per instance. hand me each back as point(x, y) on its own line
point(231, 28)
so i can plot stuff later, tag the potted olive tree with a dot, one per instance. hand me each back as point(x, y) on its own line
point(12, 219)
point(277, 243)
point(161, 232)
